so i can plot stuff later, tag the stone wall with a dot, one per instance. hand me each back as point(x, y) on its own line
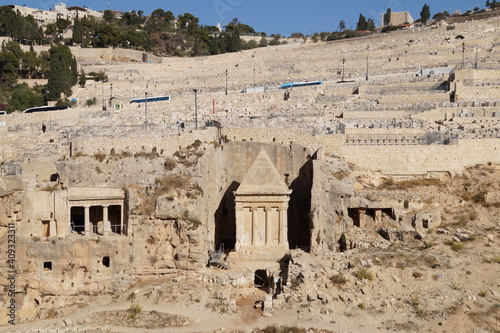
point(420, 159)
point(392, 159)
point(168, 144)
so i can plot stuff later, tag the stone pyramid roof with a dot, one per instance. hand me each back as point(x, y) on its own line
point(262, 178)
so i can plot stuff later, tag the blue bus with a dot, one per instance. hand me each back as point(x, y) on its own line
point(150, 99)
point(300, 84)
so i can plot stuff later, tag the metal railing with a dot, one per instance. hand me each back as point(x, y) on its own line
point(99, 229)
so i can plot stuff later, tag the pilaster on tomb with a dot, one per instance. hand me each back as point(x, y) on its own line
point(261, 209)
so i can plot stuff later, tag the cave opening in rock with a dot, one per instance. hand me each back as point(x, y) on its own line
point(225, 220)
point(299, 211)
point(261, 279)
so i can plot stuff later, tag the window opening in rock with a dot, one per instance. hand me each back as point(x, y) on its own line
point(46, 228)
point(47, 266)
point(105, 261)
point(115, 217)
point(96, 219)
point(78, 219)
point(354, 215)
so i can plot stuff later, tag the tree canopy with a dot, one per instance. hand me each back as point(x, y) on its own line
point(425, 14)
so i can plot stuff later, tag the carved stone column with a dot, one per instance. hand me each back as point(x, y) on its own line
point(87, 226)
point(254, 225)
point(105, 221)
point(239, 227)
point(362, 215)
point(268, 225)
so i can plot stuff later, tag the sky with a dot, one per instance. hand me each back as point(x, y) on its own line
point(273, 16)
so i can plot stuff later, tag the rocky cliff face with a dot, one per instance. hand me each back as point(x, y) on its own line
point(178, 208)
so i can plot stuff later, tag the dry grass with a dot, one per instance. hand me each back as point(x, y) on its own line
point(493, 260)
point(99, 156)
point(169, 164)
point(389, 183)
point(364, 274)
point(134, 310)
point(338, 279)
point(341, 174)
point(276, 329)
point(171, 182)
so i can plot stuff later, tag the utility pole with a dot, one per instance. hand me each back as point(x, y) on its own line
point(146, 110)
point(196, 108)
point(226, 83)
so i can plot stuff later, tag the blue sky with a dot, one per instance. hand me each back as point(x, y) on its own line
point(283, 17)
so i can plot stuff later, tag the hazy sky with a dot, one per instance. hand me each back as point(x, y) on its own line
point(273, 16)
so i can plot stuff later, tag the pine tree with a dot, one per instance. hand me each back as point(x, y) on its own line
point(425, 14)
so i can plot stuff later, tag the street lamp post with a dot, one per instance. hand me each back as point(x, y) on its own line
point(110, 94)
point(226, 82)
point(254, 80)
point(343, 68)
point(406, 63)
point(367, 67)
point(196, 109)
point(463, 55)
point(476, 58)
point(102, 96)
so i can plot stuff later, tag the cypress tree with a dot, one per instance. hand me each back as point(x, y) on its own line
point(74, 71)
point(361, 23)
point(425, 14)
point(63, 72)
point(388, 16)
point(82, 80)
point(77, 30)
